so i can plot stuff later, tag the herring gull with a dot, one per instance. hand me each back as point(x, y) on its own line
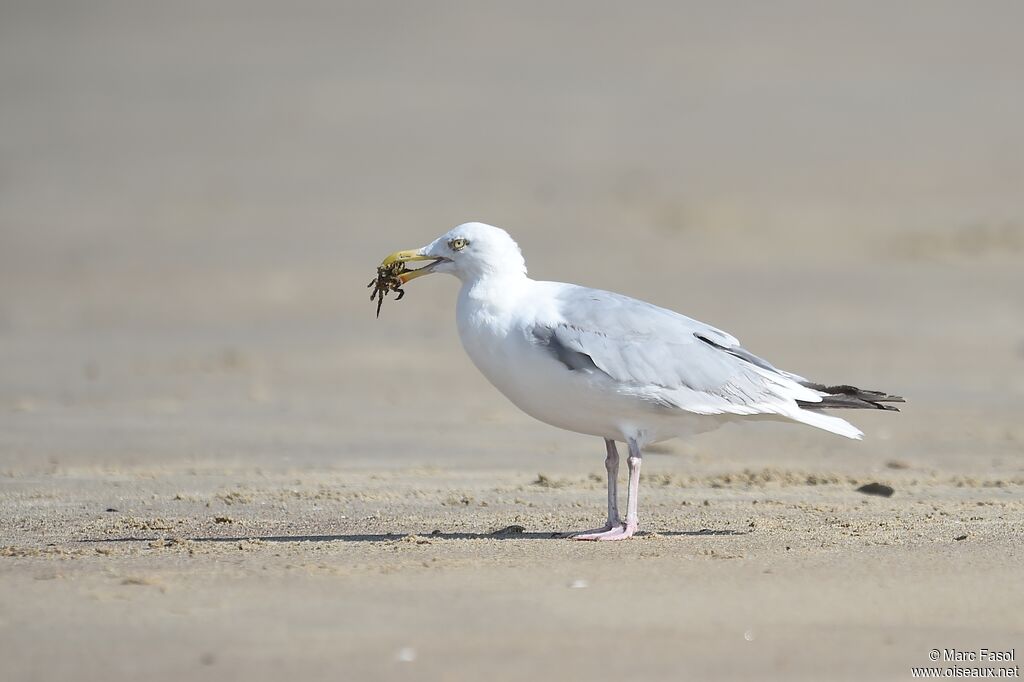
point(607, 365)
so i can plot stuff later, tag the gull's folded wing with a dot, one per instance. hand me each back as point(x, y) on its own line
point(671, 359)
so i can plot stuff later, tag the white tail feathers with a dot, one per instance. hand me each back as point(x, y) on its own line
point(828, 423)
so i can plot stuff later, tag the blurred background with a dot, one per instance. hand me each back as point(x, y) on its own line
point(194, 195)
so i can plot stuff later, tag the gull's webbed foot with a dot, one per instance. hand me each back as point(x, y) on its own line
point(619, 531)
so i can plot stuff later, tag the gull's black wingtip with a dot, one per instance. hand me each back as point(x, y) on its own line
point(844, 396)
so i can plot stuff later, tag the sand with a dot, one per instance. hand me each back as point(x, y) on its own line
point(216, 464)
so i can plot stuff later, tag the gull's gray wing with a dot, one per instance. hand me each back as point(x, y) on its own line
point(663, 356)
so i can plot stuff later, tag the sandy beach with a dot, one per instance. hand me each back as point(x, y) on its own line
point(215, 463)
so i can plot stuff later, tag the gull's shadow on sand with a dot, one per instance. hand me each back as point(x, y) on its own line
point(395, 537)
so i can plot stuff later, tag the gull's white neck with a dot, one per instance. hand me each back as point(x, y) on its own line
point(492, 294)
point(488, 316)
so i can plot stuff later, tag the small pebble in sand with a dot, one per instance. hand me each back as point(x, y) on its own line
point(879, 489)
point(510, 530)
point(406, 654)
point(749, 635)
point(578, 584)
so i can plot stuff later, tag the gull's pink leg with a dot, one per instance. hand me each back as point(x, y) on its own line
point(622, 531)
point(611, 465)
point(633, 493)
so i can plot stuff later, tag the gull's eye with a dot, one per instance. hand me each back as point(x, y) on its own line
point(458, 244)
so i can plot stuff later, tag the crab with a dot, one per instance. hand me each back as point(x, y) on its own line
point(386, 281)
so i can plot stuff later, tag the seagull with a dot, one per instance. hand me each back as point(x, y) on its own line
point(607, 365)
